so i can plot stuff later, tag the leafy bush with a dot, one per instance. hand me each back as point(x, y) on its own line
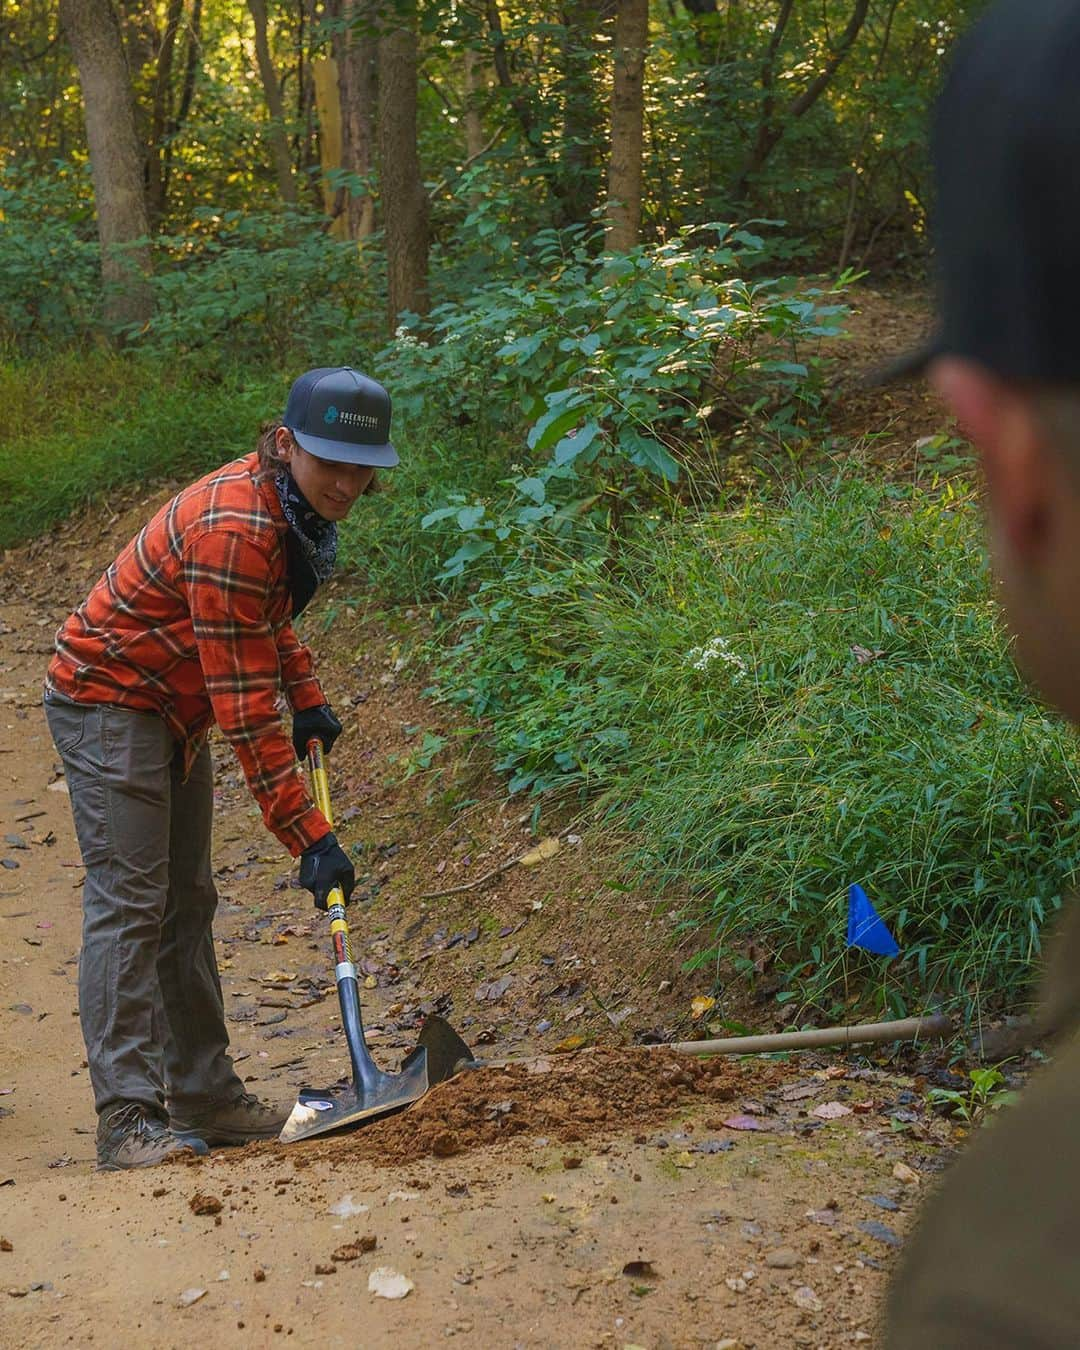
point(627, 370)
point(780, 700)
point(50, 275)
point(272, 283)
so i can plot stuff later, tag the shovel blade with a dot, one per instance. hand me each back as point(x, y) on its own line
point(321, 1112)
point(447, 1053)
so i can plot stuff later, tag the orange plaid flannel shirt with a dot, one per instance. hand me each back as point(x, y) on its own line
point(193, 622)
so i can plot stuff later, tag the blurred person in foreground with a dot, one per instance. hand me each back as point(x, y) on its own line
point(995, 1260)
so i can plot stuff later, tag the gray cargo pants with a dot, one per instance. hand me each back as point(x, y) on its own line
point(149, 993)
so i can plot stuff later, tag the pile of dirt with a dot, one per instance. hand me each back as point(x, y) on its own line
point(565, 1098)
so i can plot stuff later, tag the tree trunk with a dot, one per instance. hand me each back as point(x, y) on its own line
point(160, 116)
point(354, 50)
point(93, 33)
point(475, 87)
point(279, 141)
point(405, 203)
point(627, 125)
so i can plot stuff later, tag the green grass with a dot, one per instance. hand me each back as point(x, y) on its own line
point(760, 781)
point(81, 423)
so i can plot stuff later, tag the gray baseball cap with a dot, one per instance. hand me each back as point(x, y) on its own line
point(336, 413)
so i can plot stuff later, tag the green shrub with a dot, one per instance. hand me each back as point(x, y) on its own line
point(780, 700)
point(50, 273)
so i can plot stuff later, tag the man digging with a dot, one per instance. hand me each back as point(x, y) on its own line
point(190, 625)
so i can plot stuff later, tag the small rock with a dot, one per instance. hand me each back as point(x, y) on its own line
point(204, 1204)
point(804, 1297)
point(352, 1251)
point(570, 1162)
point(190, 1296)
point(879, 1232)
point(386, 1283)
point(347, 1207)
point(326, 1269)
point(902, 1172)
point(258, 1275)
point(18, 1293)
point(6, 1245)
point(783, 1258)
point(882, 1201)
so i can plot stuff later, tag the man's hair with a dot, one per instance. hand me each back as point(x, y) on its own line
point(266, 445)
point(270, 461)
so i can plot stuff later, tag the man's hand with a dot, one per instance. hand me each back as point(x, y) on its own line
point(319, 722)
point(323, 866)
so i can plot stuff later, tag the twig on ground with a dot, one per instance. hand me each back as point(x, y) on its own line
point(488, 876)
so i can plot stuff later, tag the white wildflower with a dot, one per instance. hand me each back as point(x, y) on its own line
point(716, 649)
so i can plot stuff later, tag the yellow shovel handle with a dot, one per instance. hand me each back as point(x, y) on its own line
point(320, 790)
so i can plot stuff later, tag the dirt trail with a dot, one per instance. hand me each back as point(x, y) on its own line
point(613, 1197)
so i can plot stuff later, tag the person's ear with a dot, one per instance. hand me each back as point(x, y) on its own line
point(284, 443)
point(1021, 470)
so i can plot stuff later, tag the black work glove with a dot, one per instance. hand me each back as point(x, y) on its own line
point(319, 722)
point(323, 866)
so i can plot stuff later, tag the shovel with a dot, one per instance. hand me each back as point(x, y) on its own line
point(372, 1093)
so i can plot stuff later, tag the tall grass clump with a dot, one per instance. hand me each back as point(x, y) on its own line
point(783, 699)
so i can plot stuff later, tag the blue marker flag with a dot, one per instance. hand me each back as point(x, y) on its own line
point(864, 926)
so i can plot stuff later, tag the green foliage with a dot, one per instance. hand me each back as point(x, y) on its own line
point(272, 282)
point(986, 1093)
point(628, 370)
point(81, 424)
point(778, 701)
point(50, 273)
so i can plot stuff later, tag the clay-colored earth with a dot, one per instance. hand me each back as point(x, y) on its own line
point(591, 1198)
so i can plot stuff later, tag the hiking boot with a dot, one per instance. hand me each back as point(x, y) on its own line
point(239, 1121)
point(132, 1136)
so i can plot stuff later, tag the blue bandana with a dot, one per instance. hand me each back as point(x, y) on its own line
point(318, 538)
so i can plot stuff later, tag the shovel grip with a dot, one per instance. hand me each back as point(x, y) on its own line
point(335, 901)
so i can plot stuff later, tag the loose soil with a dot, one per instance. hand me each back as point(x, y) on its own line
point(593, 1193)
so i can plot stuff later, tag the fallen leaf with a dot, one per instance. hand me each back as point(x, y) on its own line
point(902, 1172)
point(402, 1195)
point(386, 1283)
point(831, 1111)
point(800, 1091)
point(190, 1296)
point(700, 1005)
point(545, 849)
point(744, 1123)
point(879, 1232)
point(570, 1043)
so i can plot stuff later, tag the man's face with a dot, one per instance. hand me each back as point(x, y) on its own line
point(331, 488)
point(1033, 508)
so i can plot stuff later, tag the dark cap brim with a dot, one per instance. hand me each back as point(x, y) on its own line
point(347, 452)
point(909, 367)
